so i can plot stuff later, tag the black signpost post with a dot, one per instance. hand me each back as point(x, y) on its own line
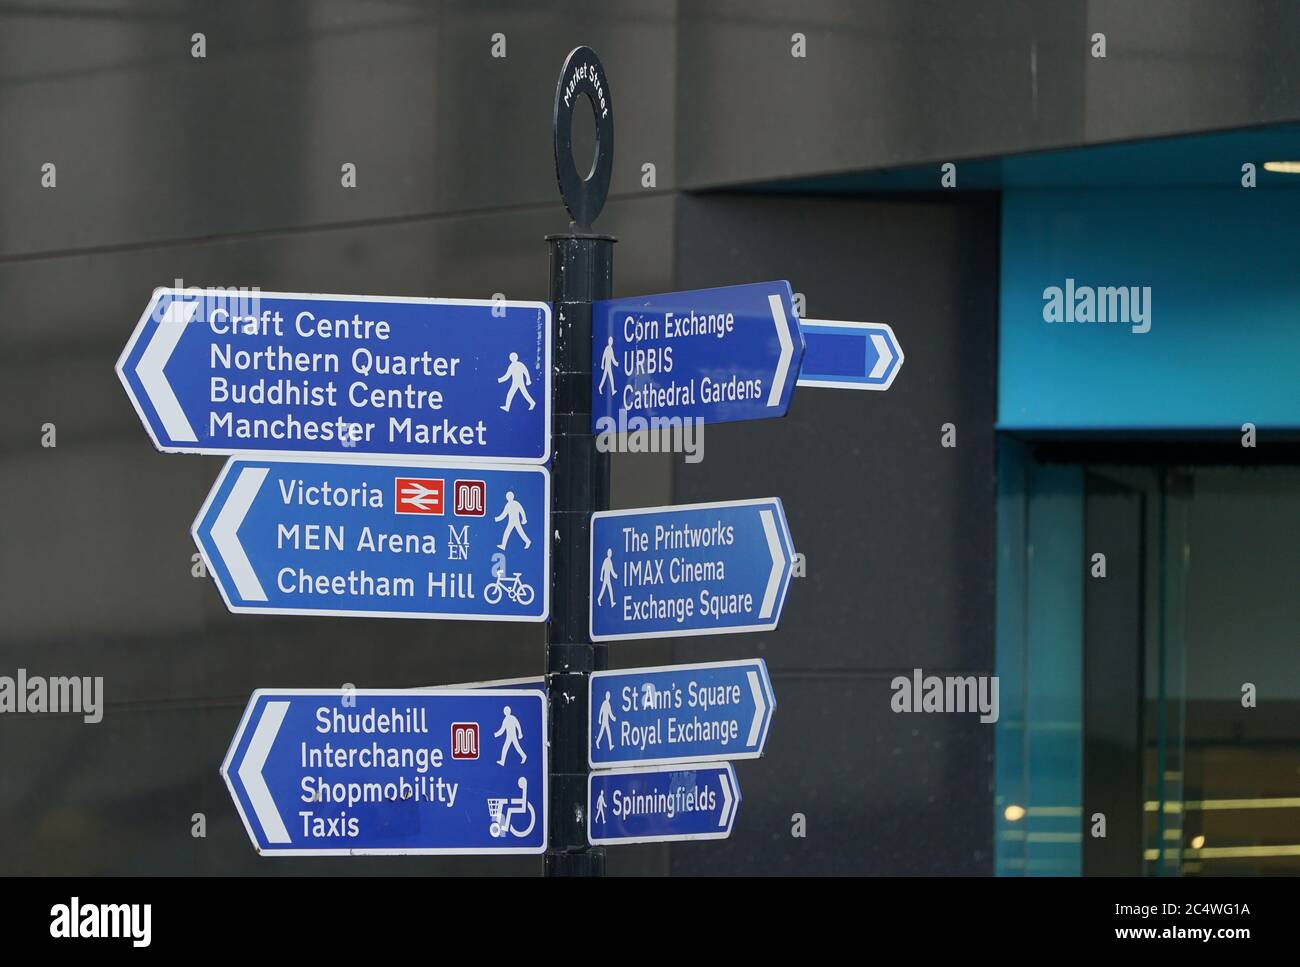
point(581, 273)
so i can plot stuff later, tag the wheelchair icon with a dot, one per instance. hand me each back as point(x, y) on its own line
point(502, 812)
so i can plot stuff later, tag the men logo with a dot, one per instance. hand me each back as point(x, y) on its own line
point(471, 498)
point(464, 740)
point(418, 495)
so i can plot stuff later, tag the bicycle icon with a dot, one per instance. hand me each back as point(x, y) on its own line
point(511, 587)
point(503, 811)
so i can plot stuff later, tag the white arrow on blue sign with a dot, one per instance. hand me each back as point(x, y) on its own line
point(382, 539)
point(679, 713)
point(652, 804)
point(238, 371)
point(375, 771)
point(849, 355)
point(725, 354)
point(695, 569)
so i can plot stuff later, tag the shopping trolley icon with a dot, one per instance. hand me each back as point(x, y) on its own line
point(502, 812)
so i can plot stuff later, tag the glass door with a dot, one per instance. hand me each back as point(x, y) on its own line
point(1223, 755)
point(1192, 669)
point(1149, 651)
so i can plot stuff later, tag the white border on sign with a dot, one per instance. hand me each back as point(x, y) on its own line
point(530, 682)
point(670, 837)
point(769, 695)
point(688, 632)
point(395, 693)
point(383, 462)
point(853, 384)
point(327, 297)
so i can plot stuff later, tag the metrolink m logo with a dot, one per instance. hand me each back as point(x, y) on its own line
point(1128, 305)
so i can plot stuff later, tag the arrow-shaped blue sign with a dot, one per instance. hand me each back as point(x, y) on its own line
point(679, 713)
point(720, 355)
point(293, 535)
point(697, 569)
point(655, 804)
point(849, 355)
point(235, 371)
point(339, 771)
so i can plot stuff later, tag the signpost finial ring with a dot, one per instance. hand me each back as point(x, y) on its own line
point(583, 74)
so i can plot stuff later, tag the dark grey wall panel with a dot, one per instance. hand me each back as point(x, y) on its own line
point(897, 530)
point(100, 295)
point(152, 144)
point(95, 555)
point(881, 794)
point(898, 533)
point(898, 82)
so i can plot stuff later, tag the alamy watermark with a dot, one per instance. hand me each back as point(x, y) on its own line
point(240, 303)
point(1128, 305)
point(949, 693)
point(102, 921)
point(656, 434)
point(24, 694)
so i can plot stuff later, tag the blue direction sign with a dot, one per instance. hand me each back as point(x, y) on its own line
point(390, 539)
point(721, 355)
point(849, 355)
point(653, 804)
point(679, 713)
point(339, 771)
point(697, 569)
point(234, 371)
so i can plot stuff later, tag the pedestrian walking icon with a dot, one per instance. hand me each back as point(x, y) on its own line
point(606, 577)
point(600, 808)
point(520, 379)
point(513, 732)
point(607, 366)
point(606, 716)
point(513, 514)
